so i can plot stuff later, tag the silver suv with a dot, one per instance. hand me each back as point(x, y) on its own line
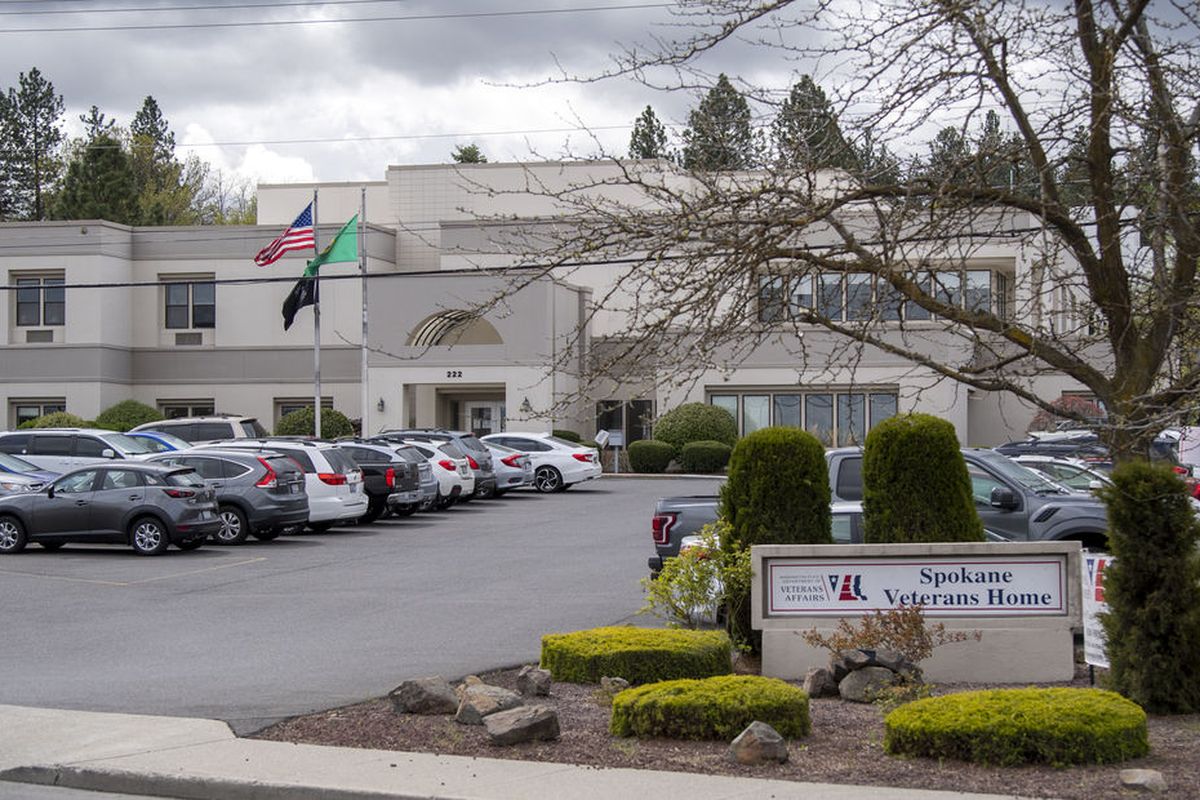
point(214, 428)
point(65, 449)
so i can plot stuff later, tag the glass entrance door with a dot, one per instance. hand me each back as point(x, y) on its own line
point(483, 417)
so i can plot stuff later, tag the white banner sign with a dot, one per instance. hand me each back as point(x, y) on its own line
point(1094, 649)
point(945, 586)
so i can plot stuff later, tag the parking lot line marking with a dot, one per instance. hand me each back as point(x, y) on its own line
point(196, 571)
point(63, 578)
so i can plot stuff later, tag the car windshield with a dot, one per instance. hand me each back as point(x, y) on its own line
point(172, 441)
point(127, 444)
point(451, 449)
point(187, 477)
point(1034, 481)
point(339, 460)
point(471, 443)
point(11, 463)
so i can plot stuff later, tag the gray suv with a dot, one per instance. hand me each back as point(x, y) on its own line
point(474, 450)
point(257, 493)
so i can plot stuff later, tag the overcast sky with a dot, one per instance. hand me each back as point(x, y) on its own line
point(385, 92)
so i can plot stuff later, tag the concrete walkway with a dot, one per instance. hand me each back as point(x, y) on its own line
point(201, 759)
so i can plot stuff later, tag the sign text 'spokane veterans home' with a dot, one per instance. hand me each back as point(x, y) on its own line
point(945, 586)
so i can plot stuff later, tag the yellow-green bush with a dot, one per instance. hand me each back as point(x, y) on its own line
point(1020, 726)
point(639, 655)
point(711, 708)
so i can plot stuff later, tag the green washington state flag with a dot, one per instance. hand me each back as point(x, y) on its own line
point(344, 247)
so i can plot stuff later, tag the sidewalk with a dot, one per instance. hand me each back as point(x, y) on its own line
point(201, 759)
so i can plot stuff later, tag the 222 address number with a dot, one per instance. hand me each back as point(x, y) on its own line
point(454, 373)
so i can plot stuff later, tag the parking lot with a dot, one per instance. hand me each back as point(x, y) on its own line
point(267, 630)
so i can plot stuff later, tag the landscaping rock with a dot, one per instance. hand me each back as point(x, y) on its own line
point(613, 686)
point(892, 659)
point(819, 682)
point(523, 724)
point(432, 695)
point(758, 744)
point(533, 682)
point(1144, 780)
point(864, 685)
point(481, 700)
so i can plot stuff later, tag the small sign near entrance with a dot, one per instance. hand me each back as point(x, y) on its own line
point(1095, 650)
point(602, 438)
point(945, 586)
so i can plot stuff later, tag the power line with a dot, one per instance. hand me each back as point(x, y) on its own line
point(287, 22)
point(169, 8)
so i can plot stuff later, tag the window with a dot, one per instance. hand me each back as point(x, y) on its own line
point(947, 288)
point(836, 418)
point(1001, 295)
point(76, 482)
point(858, 296)
point(849, 483)
point(191, 305)
point(772, 298)
point(211, 431)
point(286, 405)
point(120, 479)
point(176, 409)
point(818, 414)
point(890, 301)
point(25, 410)
point(756, 412)
point(801, 299)
point(912, 311)
point(979, 290)
point(633, 417)
point(787, 410)
point(851, 419)
point(41, 301)
point(88, 447)
point(829, 296)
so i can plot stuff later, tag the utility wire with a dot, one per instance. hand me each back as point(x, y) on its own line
point(162, 8)
point(288, 22)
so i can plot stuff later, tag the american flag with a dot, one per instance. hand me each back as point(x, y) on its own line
point(298, 236)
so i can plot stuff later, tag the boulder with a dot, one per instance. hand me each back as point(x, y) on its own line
point(613, 686)
point(432, 695)
point(522, 724)
point(864, 685)
point(481, 700)
point(819, 682)
point(1143, 780)
point(893, 660)
point(533, 682)
point(758, 744)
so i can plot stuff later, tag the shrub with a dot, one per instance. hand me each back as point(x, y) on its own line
point(712, 708)
point(699, 580)
point(1020, 726)
point(301, 422)
point(650, 455)
point(901, 629)
point(126, 415)
point(915, 484)
point(58, 419)
point(570, 436)
point(1152, 588)
point(704, 456)
point(696, 422)
point(639, 655)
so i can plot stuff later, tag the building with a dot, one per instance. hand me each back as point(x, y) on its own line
point(98, 312)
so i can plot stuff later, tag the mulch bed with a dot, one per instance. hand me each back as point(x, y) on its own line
point(845, 746)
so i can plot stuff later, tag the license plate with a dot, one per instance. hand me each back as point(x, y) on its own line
point(295, 488)
point(206, 515)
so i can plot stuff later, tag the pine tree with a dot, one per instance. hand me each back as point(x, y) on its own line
point(719, 136)
point(167, 191)
point(806, 133)
point(468, 154)
point(649, 137)
point(99, 183)
point(31, 140)
point(876, 164)
point(950, 158)
point(95, 123)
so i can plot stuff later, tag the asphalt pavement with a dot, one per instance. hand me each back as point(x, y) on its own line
point(253, 634)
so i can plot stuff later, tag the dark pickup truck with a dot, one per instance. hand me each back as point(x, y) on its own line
point(1015, 504)
point(388, 479)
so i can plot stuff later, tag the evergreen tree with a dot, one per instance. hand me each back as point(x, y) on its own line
point(31, 140)
point(719, 136)
point(168, 191)
point(806, 132)
point(95, 123)
point(950, 158)
point(649, 137)
point(876, 164)
point(468, 154)
point(99, 183)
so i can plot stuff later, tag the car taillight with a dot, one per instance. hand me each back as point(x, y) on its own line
point(270, 480)
point(585, 457)
point(446, 463)
point(179, 493)
point(513, 460)
point(474, 464)
point(660, 527)
point(389, 477)
point(332, 478)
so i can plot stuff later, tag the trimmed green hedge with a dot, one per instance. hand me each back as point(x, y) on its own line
point(570, 436)
point(639, 655)
point(696, 422)
point(126, 415)
point(704, 456)
point(59, 419)
point(650, 455)
point(1006, 727)
point(712, 708)
point(301, 422)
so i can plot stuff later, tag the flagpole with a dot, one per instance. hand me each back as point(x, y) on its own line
point(316, 329)
point(362, 266)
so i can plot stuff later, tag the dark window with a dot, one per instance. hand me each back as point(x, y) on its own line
point(185, 431)
point(189, 478)
point(829, 296)
point(801, 299)
point(14, 444)
point(858, 296)
point(528, 445)
point(191, 305)
point(120, 479)
point(252, 429)
point(76, 482)
point(208, 431)
point(849, 479)
point(41, 301)
point(300, 457)
point(787, 410)
point(207, 468)
point(912, 311)
point(890, 301)
point(51, 445)
point(772, 298)
point(979, 290)
point(87, 447)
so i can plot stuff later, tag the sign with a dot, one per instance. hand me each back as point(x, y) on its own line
point(1095, 651)
point(946, 586)
point(601, 439)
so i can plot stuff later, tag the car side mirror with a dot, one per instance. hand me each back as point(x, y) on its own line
point(108, 452)
point(1003, 497)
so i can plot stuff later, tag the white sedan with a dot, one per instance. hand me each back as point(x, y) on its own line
point(557, 463)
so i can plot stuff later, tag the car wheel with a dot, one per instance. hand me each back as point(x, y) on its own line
point(375, 510)
point(51, 545)
point(191, 544)
point(443, 502)
point(234, 528)
point(148, 536)
point(267, 534)
point(547, 479)
point(320, 527)
point(405, 510)
point(12, 535)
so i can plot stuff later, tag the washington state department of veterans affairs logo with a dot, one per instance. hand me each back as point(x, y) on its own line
point(847, 587)
point(1095, 570)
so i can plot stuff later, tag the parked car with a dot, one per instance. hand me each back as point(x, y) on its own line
point(426, 481)
point(160, 441)
point(513, 468)
point(213, 428)
point(14, 465)
point(15, 483)
point(146, 506)
point(64, 449)
point(1076, 474)
point(557, 463)
point(257, 493)
point(1086, 446)
point(479, 458)
point(331, 480)
point(454, 475)
point(388, 479)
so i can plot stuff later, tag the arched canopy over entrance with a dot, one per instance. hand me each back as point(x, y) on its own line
point(453, 327)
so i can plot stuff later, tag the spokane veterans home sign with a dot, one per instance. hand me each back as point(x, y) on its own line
point(945, 586)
